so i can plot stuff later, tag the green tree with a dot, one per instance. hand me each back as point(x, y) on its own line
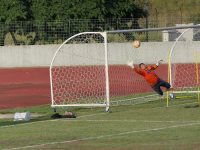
point(11, 11)
point(50, 17)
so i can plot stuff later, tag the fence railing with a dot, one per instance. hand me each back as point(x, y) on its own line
point(41, 32)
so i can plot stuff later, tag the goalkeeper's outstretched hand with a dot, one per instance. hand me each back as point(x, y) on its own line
point(130, 64)
point(159, 62)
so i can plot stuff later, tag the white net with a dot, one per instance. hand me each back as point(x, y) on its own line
point(126, 86)
point(184, 63)
point(78, 71)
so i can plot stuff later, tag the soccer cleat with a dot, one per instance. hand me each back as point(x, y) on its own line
point(171, 95)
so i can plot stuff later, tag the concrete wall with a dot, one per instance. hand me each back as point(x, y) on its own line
point(87, 54)
point(26, 56)
point(152, 51)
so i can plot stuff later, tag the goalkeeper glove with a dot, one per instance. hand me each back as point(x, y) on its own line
point(159, 62)
point(130, 64)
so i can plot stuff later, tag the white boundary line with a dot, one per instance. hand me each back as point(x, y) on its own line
point(147, 121)
point(104, 136)
point(90, 115)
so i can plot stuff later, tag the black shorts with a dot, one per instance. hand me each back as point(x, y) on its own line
point(157, 86)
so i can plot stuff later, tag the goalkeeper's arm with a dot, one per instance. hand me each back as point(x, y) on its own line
point(137, 70)
point(159, 62)
point(156, 65)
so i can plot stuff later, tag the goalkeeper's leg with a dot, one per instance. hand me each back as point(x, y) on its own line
point(168, 87)
point(165, 84)
point(157, 87)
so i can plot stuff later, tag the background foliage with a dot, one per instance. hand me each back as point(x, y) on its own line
point(39, 21)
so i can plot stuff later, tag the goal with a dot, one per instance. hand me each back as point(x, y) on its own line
point(79, 72)
point(90, 69)
point(184, 64)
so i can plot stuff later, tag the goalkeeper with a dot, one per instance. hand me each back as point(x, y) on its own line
point(148, 73)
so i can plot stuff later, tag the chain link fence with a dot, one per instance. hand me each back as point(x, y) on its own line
point(40, 32)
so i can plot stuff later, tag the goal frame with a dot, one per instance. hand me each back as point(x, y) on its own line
point(171, 50)
point(107, 104)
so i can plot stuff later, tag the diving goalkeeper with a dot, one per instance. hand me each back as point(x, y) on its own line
point(150, 76)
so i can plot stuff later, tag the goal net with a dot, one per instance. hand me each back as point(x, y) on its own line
point(78, 72)
point(184, 64)
point(90, 69)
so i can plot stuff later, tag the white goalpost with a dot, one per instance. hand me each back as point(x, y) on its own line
point(184, 63)
point(90, 69)
point(79, 72)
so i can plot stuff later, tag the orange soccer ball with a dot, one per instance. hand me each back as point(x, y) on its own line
point(136, 44)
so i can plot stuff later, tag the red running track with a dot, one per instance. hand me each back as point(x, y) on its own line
point(20, 87)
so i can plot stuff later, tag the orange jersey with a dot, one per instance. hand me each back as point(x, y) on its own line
point(148, 74)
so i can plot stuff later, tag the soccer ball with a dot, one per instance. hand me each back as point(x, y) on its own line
point(136, 44)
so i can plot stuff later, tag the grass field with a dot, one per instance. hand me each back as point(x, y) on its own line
point(145, 126)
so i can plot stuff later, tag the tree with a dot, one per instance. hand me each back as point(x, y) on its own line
point(11, 11)
point(49, 17)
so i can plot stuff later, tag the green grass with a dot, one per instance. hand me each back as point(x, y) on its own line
point(149, 126)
